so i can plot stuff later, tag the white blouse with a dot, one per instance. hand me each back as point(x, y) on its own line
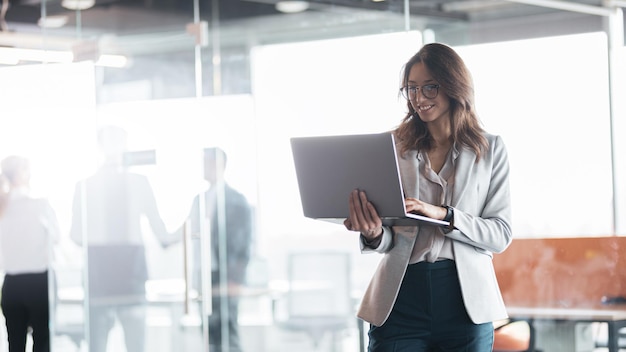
point(28, 230)
point(434, 188)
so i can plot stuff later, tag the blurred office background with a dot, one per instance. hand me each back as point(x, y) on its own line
point(246, 76)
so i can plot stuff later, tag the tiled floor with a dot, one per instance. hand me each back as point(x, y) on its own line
point(255, 338)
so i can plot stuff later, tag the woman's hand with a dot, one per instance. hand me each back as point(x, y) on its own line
point(417, 206)
point(363, 216)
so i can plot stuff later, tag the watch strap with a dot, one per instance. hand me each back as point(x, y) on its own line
point(449, 213)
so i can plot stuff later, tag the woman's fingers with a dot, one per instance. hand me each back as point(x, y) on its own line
point(376, 220)
point(419, 207)
point(366, 207)
point(348, 224)
point(363, 215)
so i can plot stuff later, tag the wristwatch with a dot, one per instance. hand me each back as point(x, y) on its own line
point(449, 214)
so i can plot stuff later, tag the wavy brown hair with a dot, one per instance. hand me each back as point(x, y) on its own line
point(450, 72)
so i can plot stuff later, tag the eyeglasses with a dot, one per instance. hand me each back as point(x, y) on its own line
point(429, 91)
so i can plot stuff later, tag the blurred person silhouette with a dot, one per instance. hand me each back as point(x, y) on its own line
point(108, 208)
point(28, 230)
point(230, 217)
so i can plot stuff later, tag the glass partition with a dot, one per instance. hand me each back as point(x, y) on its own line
point(157, 86)
point(142, 264)
point(553, 112)
point(351, 89)
point(619, 129)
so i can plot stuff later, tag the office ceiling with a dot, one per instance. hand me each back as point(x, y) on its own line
point(134, 16)
point(156, 22)
point(152, 31)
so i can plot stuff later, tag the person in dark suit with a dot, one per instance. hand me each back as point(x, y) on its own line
point(230, 217)
point(435, 289)
point(107, 211)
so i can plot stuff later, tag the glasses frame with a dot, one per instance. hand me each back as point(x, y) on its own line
point(410, 92)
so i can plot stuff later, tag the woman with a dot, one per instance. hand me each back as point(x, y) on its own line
point(28, 227)
point(435, 288)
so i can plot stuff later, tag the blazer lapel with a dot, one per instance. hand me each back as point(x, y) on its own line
point(409, 174)
point(464, 167)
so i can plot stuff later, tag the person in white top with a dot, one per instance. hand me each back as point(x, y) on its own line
point(28, 230)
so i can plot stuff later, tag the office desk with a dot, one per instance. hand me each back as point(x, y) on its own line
point(614, 316)
point(165, 297)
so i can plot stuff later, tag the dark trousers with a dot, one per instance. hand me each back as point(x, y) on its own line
point(25, 304)
point(429, 315)
point(217, 321)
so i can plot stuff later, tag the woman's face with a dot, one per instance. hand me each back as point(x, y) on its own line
point(432, 106)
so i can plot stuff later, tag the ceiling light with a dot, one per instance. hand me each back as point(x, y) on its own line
point(117, 61)
point(13, 56)
point(35, 55)
point(472, 5)
point(52, 21)
point(8, 59)
point(78, 4)
point(292, 6)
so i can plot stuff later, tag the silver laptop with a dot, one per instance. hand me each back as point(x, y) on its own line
point(328, 168)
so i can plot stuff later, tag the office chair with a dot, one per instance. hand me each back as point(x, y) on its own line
point(601, 337)
point(319, 300)
point(74, 332)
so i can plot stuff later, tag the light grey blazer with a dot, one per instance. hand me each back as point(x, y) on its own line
point(482, 226)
